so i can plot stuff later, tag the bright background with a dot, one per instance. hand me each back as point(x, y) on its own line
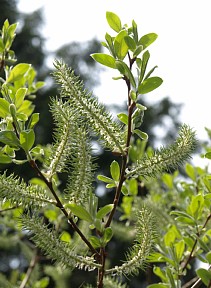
point(182, 50)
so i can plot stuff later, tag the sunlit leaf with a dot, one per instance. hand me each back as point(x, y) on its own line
point(113, 21)
point(149, 85)
point(147, 39)
point(18, 72)
point(27, 139)
point(104, 59)
point(115, 170)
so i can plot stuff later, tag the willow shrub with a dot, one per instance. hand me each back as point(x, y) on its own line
point(68, 226)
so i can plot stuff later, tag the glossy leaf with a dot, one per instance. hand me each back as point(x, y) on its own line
point(4, 159)
point(137, 51)
point(27, 139)
point(104, 59)
point(120, 46)
point(96, 243)
point(141, 134)
point(9, 138)
point(4, 108)
point(18, 72)
point(104, 211)
point(149, 85)
point(131, 44)
point(115, 170)
point(142, 64)
point(135, 31)
point(147, 40)
point(80, 212)
point(205, 275)
point(113, 21)
point(19, 96)
point(123, 118)
point(107, 235)
point(33, 120)
point(105, 179)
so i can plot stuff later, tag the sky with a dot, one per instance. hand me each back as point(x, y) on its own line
point(182, 50)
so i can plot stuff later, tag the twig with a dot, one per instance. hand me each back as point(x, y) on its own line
point(30, 269)
point(62, 208)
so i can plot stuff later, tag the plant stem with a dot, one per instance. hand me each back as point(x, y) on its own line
point(62, 208)
point(101, 271)
point(195, 243)
point(30, 269)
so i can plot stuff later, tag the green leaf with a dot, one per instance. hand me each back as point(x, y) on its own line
point(190, 171)
point(149, 85)
point(113, 21)
point(43, 283)
point(115, 170)
point(107, 235)
point(27, 139)
point(120, 46)
point(183, 217)
point(80, 212)
point(4, 108)
point(179, 248)
point(111, 185)
point(18, 72)
point(137, 51)
point(133, 186)
point(123, 118)
point(147, 39)
point(95, 242)
point(104, 59)
point(208, 155)
point(4, 159)
point(105, 179)
point(208, 257)
point(131, 44)
point(142, 64)
point(33, 120)
point(205, 275)
point(141, 134)
point(19, 96)
point(135, 31)
point(125, 70)
point(9, 138)
point(159, 272)
point(65, 237)
point(104, 211)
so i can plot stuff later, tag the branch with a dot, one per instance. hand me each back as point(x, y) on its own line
point(195, 243)
point(62, 208)
point(30, 269)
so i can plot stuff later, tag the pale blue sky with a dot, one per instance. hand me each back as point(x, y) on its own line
point(182, 51)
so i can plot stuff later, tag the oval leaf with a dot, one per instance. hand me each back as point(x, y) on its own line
point(115, 170)
point(123, 118)
point(27, 139)
point(80, 212)
point(149, 85)
point(120, 46)
point(113, 21)
point(147, 39)
point(18, 72)
point(105, 179)
point(104, 211)
point(204, 275)
point(131, 44)
point(9, 138)
point(104, 59)
point(4, 108)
